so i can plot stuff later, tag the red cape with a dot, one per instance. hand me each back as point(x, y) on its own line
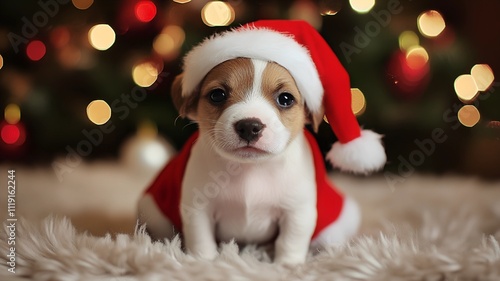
point(166, 188)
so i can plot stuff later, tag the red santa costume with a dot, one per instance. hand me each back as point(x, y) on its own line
point(322, 81)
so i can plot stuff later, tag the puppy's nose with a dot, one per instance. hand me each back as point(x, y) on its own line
point(249, 129)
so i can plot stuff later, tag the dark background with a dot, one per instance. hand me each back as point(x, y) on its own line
point(53, 97)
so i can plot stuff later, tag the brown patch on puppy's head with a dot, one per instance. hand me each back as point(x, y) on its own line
point(276, 80)
point(279, 88)
point(233, 79)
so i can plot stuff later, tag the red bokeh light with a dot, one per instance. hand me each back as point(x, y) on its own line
point(11, 134)
point(410, 80)
point(145, 11)
point(36, 50)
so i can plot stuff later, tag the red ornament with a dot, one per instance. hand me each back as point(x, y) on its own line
point(409, 74)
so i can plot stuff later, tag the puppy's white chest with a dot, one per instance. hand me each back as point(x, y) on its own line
point(249, 209)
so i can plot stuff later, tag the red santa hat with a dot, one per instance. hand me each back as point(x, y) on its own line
point(319, 75)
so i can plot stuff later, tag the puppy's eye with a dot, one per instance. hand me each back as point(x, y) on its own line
point(217, 96)
point(285, 100)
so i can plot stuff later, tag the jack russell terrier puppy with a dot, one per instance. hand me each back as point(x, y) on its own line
point(252, 172)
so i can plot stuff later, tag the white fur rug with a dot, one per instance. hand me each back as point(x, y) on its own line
point(428, 228)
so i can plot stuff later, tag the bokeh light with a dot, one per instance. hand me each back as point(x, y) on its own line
point(466, 88)
point(102, 37)
point(182, 1)
point(164, 44)
point(329, 7)
point(99, 112)
point(60, 36)
point(407, 40)
point(12, 113)
point(70, 56)
point(408, 75)
point(145, 74)
point(82, 4)
point(154, 154)
point(483, 75)
point(362, 6)
point(12, 134)
point(147, 129)
point(431, 23)
point(147, 152)
point(36, 50)
point(417, 57)
point(358, 101)
point(145, 11)
point(169, 41)
point(1, 61)
point(468, 115)
point(217, 13)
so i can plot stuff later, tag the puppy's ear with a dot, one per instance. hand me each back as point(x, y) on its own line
point(315, 119)
point(186, 106)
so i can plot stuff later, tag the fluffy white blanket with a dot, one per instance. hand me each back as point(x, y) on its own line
point(428, 228)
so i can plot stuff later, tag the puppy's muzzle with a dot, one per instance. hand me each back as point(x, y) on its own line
point(249, 129)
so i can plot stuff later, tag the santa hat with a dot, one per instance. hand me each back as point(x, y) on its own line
point(320, 78)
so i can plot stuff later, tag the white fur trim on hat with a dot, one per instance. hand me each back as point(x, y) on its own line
point(255, 43)
point(362, 155)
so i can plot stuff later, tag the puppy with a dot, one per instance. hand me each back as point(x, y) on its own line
point(252, 173)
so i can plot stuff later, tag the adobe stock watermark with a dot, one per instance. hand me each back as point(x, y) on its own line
point(40, 19)
point(363, 37)
point(426, 147)
point(93, 138)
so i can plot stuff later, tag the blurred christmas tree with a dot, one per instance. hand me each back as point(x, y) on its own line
point(81, 77)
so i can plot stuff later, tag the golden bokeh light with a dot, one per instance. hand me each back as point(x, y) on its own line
point(99, 112)
point(147, 129)
point(182, 1)
point(1, 61)
point(431, 23)
point(417, 57)
point(466, 88)
point(407, 40)
point(217, 13)
point(102, 37)
point(169, 41)
point(82, 4)
point(12, 114)
point(358, 101)
point(468, 115)
point(145, 74)
point(164, 44)
point(483, 75)
point(177, 33)
point(362, 6)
